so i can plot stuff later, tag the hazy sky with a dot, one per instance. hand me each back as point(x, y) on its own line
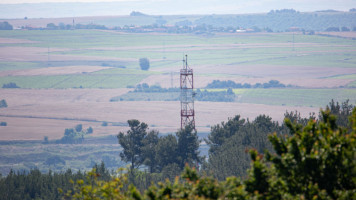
point(164, 7)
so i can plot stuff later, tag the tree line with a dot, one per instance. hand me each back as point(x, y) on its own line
point(232, 84)
point(152, 92)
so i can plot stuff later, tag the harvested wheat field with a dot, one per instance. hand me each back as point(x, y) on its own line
point(33, 114)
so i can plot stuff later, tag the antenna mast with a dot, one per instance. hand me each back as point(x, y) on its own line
point(186, 95)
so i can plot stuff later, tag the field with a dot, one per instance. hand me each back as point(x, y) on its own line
point(68, 78)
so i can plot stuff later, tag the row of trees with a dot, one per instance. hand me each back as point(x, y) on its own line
point(62, 26)
point(232, 84)
point(10, 85)
point(144, 92)
point(37, 185)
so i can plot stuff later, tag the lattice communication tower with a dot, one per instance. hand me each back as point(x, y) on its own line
point(186, 95)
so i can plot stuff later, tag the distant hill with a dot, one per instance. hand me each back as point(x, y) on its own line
point(121, 15)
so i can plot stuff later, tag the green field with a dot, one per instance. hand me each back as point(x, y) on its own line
point(295, 97)
point(165, 52)
point(74, 81)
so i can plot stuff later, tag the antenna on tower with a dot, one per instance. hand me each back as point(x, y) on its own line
point(186, 95)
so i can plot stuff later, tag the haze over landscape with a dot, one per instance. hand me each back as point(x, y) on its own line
point(259, 96)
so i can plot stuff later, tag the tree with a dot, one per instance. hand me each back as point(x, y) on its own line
point(144, 64)
point(132, 143)
point(316, 161)
point(188, 147)
point(79, 127)
point(342, 112)
point(166, 151)
point(220, 133)
point(229, 142)
point(90, 130)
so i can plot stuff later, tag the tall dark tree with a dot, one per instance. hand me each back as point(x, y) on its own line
point(188, 147)
point(132, 143)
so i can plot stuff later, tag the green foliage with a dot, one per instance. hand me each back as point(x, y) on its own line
point(160, 154)
point(342, 112)
point(295, 117)
point(78, 128)
point(3, 103)
point(220, 133)
point(74, 135)
point(144, 63)
point(37, 185)
point(188, 147)
point(318, 159)
point(166, 151)
point(317, 162)
point(215, 96)
point(232, 84)
point(90, 130)
point(132, 143)
point(149, 150)
point(229, 141)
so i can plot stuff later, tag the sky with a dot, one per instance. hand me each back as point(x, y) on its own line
point(162, 7)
